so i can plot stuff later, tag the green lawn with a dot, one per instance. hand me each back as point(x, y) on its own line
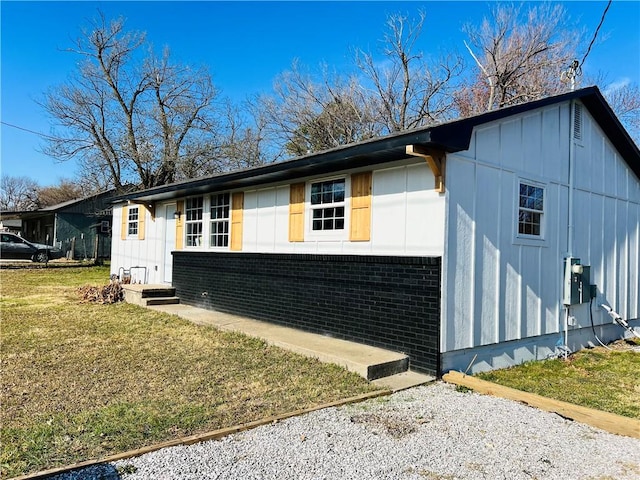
point(81, 381)
point(607, 380)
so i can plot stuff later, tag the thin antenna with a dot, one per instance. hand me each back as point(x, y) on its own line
point(570, 74)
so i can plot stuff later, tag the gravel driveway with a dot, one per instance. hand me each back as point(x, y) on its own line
point(429, 432)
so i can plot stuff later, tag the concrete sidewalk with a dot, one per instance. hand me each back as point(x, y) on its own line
point(369, 362)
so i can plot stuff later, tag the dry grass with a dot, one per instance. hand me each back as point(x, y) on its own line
point(82, 381)
point(607, 380)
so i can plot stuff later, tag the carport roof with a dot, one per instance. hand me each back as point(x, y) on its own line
point(450, 137)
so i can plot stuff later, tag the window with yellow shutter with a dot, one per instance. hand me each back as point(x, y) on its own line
point(132, 221)
point(328, 205)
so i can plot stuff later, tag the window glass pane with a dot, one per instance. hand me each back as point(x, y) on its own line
point(523, 190)
point(328, 194)
point(338, 195)
point(133, 214)
point(529, 223)
point(219, 225)
point(535, 229)
point(538, 199)
point(132, 221)
point(194, 214)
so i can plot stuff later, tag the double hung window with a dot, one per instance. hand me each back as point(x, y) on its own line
point(530, 210)
point(219, 223)
point(193, 221)
point(133, 214)
point(328, 205)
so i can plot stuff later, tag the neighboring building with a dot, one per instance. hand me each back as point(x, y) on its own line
point(81, 227)
point(10, 225)
point(447, 243)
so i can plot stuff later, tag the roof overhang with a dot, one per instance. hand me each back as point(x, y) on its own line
point(364, 154)
point(448, 137)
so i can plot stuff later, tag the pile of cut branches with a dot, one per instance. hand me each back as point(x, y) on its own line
point(111, 293)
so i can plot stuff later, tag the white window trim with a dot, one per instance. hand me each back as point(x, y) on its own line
point(327, 235)
point(205, 242)
point(203, 234)
point(207, 215)
point(522, 238)
point(130, 222)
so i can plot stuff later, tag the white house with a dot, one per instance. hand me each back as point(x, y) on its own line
point(474, 244)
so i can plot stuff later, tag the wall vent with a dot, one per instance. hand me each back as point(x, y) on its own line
point(577, 121)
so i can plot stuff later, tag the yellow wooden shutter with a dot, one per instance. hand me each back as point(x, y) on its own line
point(296, 212)
point(179, 225)
point(123, 228)
point(237, 209)
point(361, 207)
point(142, 215)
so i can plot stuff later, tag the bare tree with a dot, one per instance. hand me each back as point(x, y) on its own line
point(625, 101)
point(410, 90)
point(520, 57)
point(308, 113)
point(18, 194)
point(305, 114)
point(245, 142)
point(130, 116)
point(63, 191)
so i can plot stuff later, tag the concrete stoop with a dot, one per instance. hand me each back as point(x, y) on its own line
point(147, 295)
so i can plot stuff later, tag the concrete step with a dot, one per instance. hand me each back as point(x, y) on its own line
point(386, 369)
point(158, 292)
point(404, 380)
point(140, 294)
point(161, 301)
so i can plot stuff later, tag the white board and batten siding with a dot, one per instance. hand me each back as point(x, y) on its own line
point(136, 252)
point(498, 287)
point(407, 219)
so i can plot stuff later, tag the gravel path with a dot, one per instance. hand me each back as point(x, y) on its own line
point(429, 432)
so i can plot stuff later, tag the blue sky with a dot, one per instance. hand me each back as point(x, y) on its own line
point(245, 46)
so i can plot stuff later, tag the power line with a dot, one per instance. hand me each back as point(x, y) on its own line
point(575, 69)
point(596, 32)
point(27, 130)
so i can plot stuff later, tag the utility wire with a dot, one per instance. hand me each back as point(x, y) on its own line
point(596, 33)
point(27, 130)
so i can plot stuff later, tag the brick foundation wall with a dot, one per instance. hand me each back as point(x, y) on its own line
point(387, 302)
